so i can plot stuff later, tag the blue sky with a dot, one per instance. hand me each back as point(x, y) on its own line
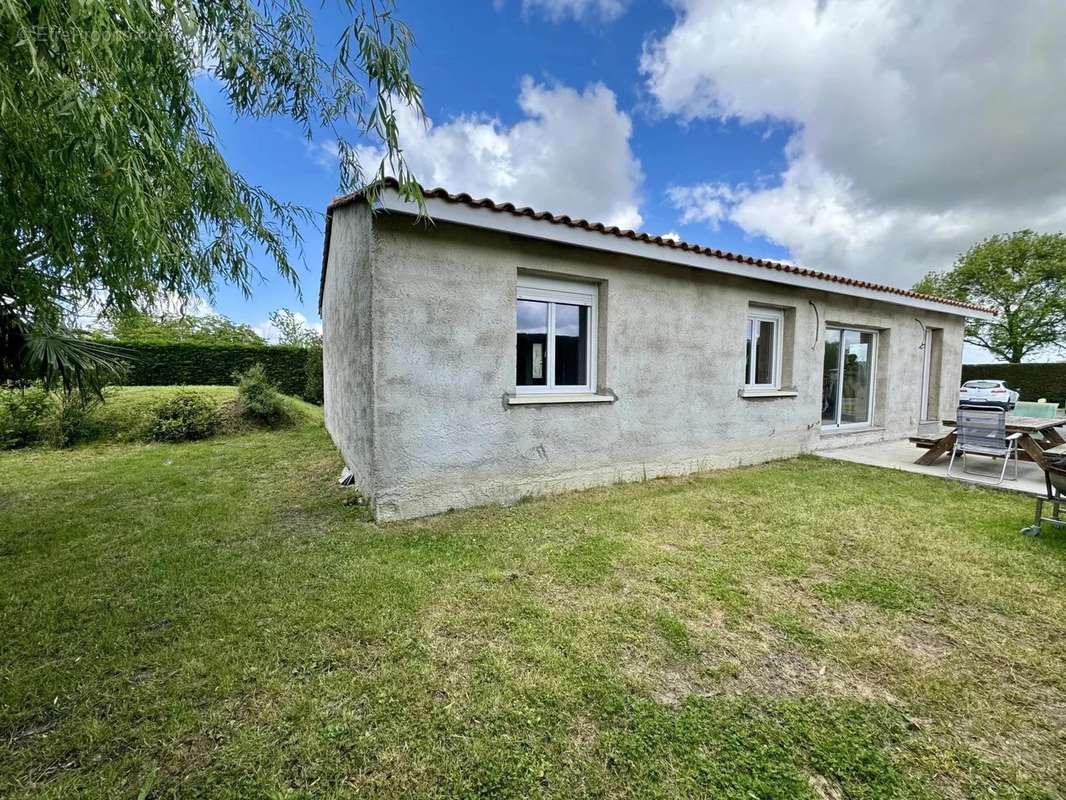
point(872, 138)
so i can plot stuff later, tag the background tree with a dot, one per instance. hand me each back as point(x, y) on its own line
point(140, 326)
point(293, 329)
point(112, 181)
point(1023, 276)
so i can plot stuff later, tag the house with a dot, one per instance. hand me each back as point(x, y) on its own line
point(498, 352)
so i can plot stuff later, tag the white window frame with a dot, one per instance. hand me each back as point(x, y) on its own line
point(755, 316)
point(875, 342)
point(574, 293)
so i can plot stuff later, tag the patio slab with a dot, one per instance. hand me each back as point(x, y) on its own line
point(902, 454)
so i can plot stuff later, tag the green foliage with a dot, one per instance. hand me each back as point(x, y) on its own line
point(68, 359)
point(313, 378)
point(183, 417)
point(151, 364)
point(259, 398)
point(23, 412)
point(293, 329)
point(138, 326)
point(113, 183)
point(1031, 380)
point(70, 421)
point(1023, 276)
point(32, 415)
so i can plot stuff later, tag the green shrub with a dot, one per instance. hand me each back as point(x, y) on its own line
point(202, 364)
point(184, 417)
point(312, 392)
point(22, 416)
point(259, 398)
point(70, 419)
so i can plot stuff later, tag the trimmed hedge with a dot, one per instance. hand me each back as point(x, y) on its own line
point(200, 364)
point(1032, 381)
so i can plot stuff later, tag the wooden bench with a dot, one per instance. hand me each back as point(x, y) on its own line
point(925, 441)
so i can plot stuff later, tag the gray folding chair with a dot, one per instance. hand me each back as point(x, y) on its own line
point(1055, 478)
point(983, 432)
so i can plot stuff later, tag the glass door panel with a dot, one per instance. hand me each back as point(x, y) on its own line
point(831, 377)
point(855, 392)
point(847, 377)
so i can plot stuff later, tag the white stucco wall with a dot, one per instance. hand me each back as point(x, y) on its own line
point(347, 344)
point(442, 359)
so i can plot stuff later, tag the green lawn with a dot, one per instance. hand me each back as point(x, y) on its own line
point(127, 413)
point(214, 620)
point(124, 415)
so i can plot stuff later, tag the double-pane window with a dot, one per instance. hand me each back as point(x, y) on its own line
point(762, 368)
point(555, 336)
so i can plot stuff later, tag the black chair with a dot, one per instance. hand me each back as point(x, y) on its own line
point(1055, 479)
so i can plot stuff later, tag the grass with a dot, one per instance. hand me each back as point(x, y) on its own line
point(215, 620)
point(125, 416)
point(129, 411)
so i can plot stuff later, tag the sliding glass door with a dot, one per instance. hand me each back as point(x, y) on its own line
point(848, 378)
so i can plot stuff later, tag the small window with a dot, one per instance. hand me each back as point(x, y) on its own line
point(763, 363)
point(555, 336)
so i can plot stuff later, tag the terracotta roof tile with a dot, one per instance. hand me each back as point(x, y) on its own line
point(509, 208)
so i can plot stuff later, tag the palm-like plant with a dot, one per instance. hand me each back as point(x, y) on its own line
point(58, 356)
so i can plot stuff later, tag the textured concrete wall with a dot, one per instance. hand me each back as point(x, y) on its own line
point(671, 347)
point(347, 344)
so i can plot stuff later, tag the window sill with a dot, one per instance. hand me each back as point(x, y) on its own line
point(766, 394)
point(557, 399)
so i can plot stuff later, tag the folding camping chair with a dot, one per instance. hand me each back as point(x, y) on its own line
point(983, 432)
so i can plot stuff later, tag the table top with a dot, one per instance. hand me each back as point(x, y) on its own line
point(1027, 424)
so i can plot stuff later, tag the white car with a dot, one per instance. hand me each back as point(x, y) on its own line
point(987, 393)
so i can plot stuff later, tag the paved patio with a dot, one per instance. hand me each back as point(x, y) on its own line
point(902, 455)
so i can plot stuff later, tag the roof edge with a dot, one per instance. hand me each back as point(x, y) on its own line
point(466, 200)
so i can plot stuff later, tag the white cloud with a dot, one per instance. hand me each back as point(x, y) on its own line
point(704, 202)
point(919, 128)
point(325, 153)
point(570, 155)
point(557, 10)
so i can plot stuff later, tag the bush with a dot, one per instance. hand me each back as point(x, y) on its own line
point(69, 421)
point(1031, 380)
point(312, 392)
point(23, 413)
point(258, 397)
point(203, 364)
point(185, 417)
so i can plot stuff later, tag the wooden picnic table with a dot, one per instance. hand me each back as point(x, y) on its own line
point(1030, 447)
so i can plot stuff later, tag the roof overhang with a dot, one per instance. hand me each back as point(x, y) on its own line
point(483, 214)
